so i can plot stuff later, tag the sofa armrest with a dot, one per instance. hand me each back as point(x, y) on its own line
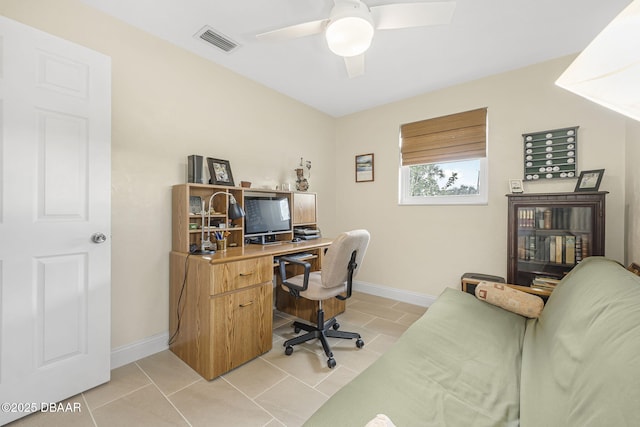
point(468, 285)
point(544, 293)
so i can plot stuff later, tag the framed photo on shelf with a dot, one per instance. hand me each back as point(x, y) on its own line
point(195, 205)
point(364, 167)
point(589, 180)
point(515, 185)
point(220, 171)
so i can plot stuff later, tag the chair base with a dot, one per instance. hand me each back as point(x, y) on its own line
point(329, 329)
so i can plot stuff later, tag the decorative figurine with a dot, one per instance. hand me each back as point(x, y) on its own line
point(302, 183)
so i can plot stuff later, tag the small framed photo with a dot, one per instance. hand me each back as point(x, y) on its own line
point(515, 185)
point(195, 205)
point(220, 171)
point(589, 180)
point(364, 167)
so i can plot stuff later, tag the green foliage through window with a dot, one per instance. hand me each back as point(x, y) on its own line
point(444, 179)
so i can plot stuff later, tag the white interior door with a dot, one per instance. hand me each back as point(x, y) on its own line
point(55, 136)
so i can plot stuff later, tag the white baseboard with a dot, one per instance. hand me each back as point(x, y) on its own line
point(146, 347)
point(395, 294)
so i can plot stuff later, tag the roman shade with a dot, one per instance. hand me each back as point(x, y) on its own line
point(443, 139)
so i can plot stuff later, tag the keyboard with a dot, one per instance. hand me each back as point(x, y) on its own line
point(300, 255)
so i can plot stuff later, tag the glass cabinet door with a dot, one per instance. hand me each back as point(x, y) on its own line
point(552, 240)
point(550, 234)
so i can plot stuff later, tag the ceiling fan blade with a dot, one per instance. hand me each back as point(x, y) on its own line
point(405, 15)
point(294, 31)
point(355, 65)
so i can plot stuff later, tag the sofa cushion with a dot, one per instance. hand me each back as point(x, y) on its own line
point(581, 357)
point(516, 301)
point(458, 365)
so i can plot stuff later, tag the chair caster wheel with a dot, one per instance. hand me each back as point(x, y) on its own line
point(296, 329)
point(288, 350)
point(359, 343)
point(331, 363)
point(336, 326)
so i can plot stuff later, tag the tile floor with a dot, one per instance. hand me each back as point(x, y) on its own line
point(271, 390)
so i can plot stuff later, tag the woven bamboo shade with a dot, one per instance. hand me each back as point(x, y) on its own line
point(444, 139)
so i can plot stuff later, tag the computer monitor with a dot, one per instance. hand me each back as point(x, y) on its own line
point(266, 216)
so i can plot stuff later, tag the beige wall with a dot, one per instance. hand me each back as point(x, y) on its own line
point(167, 104)
point(427, 248)
point(632, 233)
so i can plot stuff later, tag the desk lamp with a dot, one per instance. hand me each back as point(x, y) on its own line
point(234, 211)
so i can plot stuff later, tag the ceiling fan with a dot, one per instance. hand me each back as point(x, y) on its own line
point(349, 29)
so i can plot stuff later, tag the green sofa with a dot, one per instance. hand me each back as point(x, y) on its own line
point(469, 363)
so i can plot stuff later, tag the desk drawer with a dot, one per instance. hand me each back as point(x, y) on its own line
point(230, 276)
point(241, 327)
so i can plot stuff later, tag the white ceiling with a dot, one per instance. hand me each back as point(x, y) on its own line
point(485, 37)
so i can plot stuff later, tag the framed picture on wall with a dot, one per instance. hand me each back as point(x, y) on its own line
point(589, 180)
point(220, 171)
point(364, 167)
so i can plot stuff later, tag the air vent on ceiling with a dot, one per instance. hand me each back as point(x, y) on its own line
point(217, 39)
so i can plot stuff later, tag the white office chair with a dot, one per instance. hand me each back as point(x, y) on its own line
point(339, 266)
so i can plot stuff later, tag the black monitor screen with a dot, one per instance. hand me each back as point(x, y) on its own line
point(266, 215)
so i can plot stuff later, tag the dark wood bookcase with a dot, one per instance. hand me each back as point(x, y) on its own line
point(549, 233)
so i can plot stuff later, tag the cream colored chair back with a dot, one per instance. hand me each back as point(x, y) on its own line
point(335, 263)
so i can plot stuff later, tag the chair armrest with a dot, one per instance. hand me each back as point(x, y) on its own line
point(294, 289)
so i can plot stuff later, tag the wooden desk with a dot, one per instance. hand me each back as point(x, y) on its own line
point(256, 251)
point(222, 304)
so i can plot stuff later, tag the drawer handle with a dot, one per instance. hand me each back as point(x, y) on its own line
point(246, 304)
point(246, 274)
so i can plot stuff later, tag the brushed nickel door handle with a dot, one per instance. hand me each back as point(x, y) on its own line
point(98, 238)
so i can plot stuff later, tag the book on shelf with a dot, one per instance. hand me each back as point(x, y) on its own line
point(528, 248)
point(542, 282)
point(559, 249)
point(526, 217)
point(570, 249)
point(586, 249)
point(554, 218)
point(578, 249)
point(566, 248)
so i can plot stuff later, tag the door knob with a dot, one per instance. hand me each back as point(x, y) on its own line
point(98, 238)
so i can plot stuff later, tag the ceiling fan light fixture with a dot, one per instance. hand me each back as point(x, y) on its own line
point(350, 28)
point(349, 36)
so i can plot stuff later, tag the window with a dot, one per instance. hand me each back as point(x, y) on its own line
point(444, 160)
